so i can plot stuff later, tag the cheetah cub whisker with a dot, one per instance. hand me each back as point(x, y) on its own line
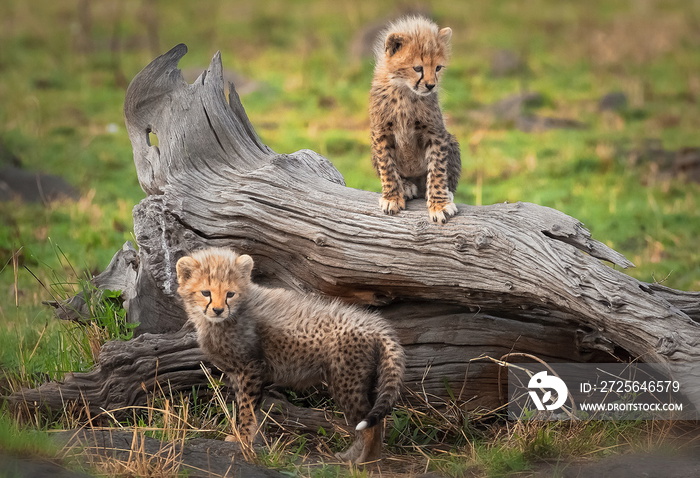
point(411, 149)
point(260, 336)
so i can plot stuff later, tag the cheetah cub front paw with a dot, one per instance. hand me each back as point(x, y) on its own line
point(440, 213)
point(392, 206)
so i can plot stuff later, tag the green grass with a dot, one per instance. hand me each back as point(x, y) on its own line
point(522, 447)
point(24, 441)
point(62, 88)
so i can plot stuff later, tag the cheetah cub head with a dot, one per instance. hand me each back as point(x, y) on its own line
point(213, 282)
point(413, 52)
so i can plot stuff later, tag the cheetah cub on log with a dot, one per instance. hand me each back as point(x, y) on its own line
point(260, 336)
point(411, 149)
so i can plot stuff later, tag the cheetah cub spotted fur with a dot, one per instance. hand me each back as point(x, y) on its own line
point(411, 149)
point(260, 336)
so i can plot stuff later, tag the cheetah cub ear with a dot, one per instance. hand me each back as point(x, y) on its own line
point(244, 265)
point(393, 43)
point(186, 266)
point(445, 34)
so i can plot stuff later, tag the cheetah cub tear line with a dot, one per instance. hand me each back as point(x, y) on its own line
point(411, 149)
point(260, 336)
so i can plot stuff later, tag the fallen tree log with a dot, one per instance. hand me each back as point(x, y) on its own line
point(494, 280)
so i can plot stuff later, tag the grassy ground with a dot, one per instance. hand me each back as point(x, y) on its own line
point(64, 67)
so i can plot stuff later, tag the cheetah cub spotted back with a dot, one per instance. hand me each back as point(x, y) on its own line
point(411, 149)
point(259, 336)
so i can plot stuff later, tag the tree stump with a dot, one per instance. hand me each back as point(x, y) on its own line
point(494, 280)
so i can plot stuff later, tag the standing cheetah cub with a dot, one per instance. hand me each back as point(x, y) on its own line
point(411, 148)
point(259, 336)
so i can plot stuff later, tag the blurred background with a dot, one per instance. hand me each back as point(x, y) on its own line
point(587, 107)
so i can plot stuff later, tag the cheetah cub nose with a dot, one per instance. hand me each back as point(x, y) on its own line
point(218, 310)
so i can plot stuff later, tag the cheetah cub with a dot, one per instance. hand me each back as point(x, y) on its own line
point(260, 336)
point(411, 149)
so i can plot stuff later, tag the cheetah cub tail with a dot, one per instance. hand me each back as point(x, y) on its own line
point(390, 370)
point(361, 426)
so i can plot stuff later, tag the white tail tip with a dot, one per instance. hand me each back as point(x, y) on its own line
point(361, 426)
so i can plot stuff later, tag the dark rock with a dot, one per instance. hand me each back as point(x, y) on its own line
point(651, 151)
point(34, 467)
point(7, 157)
point(660, 163)
point(613, 101)
point(513, 110)
point(668, 465)
point(362, 44)
point(29, 186)
point(686, 164)
point(512, 107)
point(197, 457)
point(507, 63)
point(508, 109)
point(537, 124)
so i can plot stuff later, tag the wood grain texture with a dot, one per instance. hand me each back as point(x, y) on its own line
point(495, 279)
point(442, 361)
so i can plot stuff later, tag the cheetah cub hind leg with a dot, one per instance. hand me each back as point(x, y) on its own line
point(410, 189)
point(366, 447)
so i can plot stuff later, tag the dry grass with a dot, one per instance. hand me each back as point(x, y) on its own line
point(159, 432)
point(134, 461)
point(424, 434)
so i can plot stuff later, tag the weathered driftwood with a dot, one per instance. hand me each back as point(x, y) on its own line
point(495, 279)
point(440, 350)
